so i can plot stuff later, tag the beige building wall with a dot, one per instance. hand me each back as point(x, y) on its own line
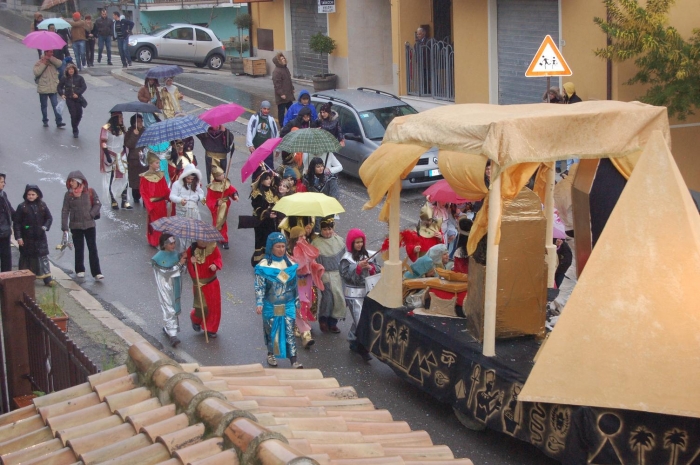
point(407, 15)
point(471, 40)
point(271, 15)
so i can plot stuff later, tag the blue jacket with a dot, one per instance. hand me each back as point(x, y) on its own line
point(293, 111)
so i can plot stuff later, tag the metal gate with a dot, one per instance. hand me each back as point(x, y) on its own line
point(307, 21)
point(430, 70)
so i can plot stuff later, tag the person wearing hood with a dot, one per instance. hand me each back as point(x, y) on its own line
point(218, 145)
point(440, 256)
point(155, 193)
point(113, 163)
point(301, 121)
point(168, 266)
point(570, 93)
point(170, 96)
point(421, 268)
point(186, 193)
point(263, 197)
point(32, 220)
point(81, 207)
point(46, 78)
point(553, 95)
point(71, 88)
point(303, 102)
point(6, 215)
point(284, 88)
point(121, 30)
point(331, 248)
point(79, 36)
point(261, 127)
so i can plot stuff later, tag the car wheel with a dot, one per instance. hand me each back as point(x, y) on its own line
point(144, 55)
point(215, 62)
point(200, 65)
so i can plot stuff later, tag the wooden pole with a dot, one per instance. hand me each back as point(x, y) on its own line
point(201, 301)
point(491, 291)
point(549, 215)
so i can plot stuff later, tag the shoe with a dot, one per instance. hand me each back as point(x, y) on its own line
point(174, 341)
point(80, 274)
point(271, 360)
point(212, 335)
point(224, 245)
point(110, 63)
point(335, 330)
point(51, 283)
point(197, 328)
point(123, 66)
point(297, 365)
point(306, 340)
point(100, 277)
point(46, 124)
point(99, 60)
point(75, 135)
point(115, 206)
point(127, 206)
point(323, 326)
point(60, 125)
point(366, 356)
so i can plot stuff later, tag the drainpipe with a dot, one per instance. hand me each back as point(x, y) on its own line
point(608, 64)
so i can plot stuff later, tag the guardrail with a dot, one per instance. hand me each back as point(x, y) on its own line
point(430, 69)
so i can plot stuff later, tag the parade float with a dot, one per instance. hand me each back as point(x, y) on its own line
point(615, 381)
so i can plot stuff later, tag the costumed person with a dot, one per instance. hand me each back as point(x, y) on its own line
point(565, 257)
point(428, 234)
point(218, 144)
point(186, 193)
point(440, 256)
point(113, 164)
point(461, 257)
point(168, 266)
point(331, 248)
point(277, 300)
point(356, 266)
point(32, 220)
point(135, 156)
point(170, 96)
point(155, 193)
point(219, 195)
point(207, 258)
point(150, 93)
point(309, 281)
point(423, 267)
point(263, 197)
point(181, 155)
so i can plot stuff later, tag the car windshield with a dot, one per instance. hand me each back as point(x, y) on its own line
point(375, 122)
point(159, 30)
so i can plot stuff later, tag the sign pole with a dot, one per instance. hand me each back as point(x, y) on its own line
point(549, 79)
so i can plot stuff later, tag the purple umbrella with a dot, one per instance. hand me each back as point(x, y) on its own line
point(258, 156)
point(44, 40)
point(222, 114)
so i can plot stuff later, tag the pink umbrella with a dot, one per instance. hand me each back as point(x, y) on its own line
point(44, 40)
point(558, 228)
point(442, 192)
point(258, 156)
point(222, 114)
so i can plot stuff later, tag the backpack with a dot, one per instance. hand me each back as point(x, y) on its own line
point(91, 192)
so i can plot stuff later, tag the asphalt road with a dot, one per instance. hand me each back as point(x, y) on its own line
point(30, 153)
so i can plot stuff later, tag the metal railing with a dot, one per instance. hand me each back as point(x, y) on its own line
point(55, 362)
point(430, 69)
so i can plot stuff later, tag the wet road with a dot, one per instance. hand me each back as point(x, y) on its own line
point(32, 154)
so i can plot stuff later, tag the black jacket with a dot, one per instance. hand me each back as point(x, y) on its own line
point(6, 215)
point(32, 220)
point(103, 27)
point(122, 29)
point(71, 85)
point(297, 122)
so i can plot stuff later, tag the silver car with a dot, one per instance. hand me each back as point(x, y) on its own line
point(364, 115)
point(185, 42)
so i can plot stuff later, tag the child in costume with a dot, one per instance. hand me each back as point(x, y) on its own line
point(277, 300)
point(205, 256)
point(168, 266)
point(155, 193)
point(308, 282)
point(32, 220)
point(331, 247)
point(219, 195)
point(427, 234)
point(186, 193)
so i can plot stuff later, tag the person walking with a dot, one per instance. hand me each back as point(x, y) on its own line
point(263, 197)
point(303, 102)
point(81, 207)
point(121, 30)
point(170, 96)
point(90, 30)
point(135, 156)
point(38, 17)
point(46, 78)
point(331, 248)
point(168, 266)
point(284, 87)
point(218, 144)
point(71, 88)
point(79, 36)
point(104, 28)
point(309, 282)
point(277, 300)
point(155, 193)
point(261, 127)
point(61, 53)
point(113, 164)
point(219, 195)
point(206, 257)
point(186, 193)
point(6, 215)
point(150, 93)
point(32, 220)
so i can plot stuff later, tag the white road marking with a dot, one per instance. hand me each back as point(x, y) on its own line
point(95, 81)
point(18, 81)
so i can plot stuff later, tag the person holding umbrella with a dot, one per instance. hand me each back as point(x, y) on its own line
point(261, 127)
point(217, 143)
point(186, 193)
point(46, 78)
point(113, 163)
point(219, 195)
point(170, 96)
point(155, 194)
point(149, 93)
point(135, 155)
point(203, 261)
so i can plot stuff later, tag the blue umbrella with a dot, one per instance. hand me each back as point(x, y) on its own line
point(60, 23)
point(164, 71)
point(176, 128)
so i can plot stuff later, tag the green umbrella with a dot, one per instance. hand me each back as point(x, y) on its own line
point(311, 141)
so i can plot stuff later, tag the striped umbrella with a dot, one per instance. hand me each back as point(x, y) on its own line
point(171, 129)
point(188, 228)
point(311, 141)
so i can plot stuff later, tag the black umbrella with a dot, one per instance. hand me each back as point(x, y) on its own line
point(164, 71)
point(135, 107)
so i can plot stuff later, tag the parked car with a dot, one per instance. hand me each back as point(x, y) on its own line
point(364, 116)
point(185, 42)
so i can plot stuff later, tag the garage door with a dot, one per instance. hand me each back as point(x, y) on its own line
point(307, 21)
point(522, 25)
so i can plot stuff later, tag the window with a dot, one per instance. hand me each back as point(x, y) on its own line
point(376, 121)
point(202, 35)
point(348, 122)
point(182, 33)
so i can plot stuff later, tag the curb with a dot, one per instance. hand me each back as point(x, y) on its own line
point(11, 34)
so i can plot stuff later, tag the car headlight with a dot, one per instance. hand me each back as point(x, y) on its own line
point(132, 42)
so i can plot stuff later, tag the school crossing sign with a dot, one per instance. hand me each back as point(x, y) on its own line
point(548, 61)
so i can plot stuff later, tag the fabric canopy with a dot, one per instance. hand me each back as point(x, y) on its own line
point(628, 338)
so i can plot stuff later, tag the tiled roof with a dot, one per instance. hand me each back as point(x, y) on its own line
point(156, 411)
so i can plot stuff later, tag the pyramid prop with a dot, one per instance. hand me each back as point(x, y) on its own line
point(629, 337)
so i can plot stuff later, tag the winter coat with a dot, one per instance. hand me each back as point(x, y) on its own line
point(103, 27)
point(122, 29)
point(6, 215)
point(78, 30)
point(253, 128)
point(297, 122)
point(79, 212)
point(48, 81)
point(32, 220)
point(144, 96)
point(293, 111)
point(331, 125)
point(282, 81)
point(133, 157)
point(71, 85)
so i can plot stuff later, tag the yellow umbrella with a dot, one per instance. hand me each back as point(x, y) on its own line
point(308, 204)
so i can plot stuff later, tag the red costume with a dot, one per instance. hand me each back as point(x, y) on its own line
point(220, 213)
point(411, 239)
point(209, 284)
point(155, 193)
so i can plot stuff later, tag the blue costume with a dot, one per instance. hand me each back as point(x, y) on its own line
point(168, 270)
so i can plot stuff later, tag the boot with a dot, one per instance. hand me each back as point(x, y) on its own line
point(307, 340)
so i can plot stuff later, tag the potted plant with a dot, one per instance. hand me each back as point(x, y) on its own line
point(52, 307)
point(321, 43)
point(244, 21)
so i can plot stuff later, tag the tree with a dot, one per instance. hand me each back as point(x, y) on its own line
point(641, 440)
point(321, 44)
point(242, 21)
point(674, 440)
point(666, 62)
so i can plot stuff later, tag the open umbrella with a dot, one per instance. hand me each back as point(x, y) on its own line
point(44, 40)
point(258, 156)
point(222, 114)
point(135, 107)
point(311, 141)
point(179, 127)
point(308, 204)
point(442, 192)
point(60, 23)
point(164, 71)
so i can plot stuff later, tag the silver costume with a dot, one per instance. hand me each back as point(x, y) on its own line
point(168, 271)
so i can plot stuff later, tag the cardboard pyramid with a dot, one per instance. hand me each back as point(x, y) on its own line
point(629, 337)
